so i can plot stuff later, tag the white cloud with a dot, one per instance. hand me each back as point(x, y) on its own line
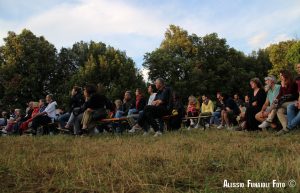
point(138, 29)
point(258, 40)
point(145, 73)
point(281, 37)
point(92, 19)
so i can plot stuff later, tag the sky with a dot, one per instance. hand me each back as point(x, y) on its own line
point(138, 26)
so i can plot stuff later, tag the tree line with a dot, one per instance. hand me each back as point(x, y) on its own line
point(31, 67)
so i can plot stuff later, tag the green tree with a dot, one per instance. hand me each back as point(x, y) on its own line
point(28, 67)
point(293, 54)
point(278, 56)
point(109, 67)
point(203, 65)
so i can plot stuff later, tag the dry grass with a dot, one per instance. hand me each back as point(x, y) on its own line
point(194, 161)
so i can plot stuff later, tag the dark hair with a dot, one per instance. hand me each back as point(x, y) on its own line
point(257, 82)
point(162, 81)
point(287, 75)
point(77, 89)
point(139, 90)
point(43, 100)
point(153, 87)
point(90, 89)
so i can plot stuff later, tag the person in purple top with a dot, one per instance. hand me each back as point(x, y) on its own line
point(293, 113)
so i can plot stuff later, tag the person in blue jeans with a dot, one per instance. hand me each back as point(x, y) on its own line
point(293, 113)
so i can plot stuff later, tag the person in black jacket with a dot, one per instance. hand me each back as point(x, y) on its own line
point(76, 101)
point(94, 107)
point(160, 107)
point(128, 104)
point(177, 112)
point(229, 110)
point(257, 100)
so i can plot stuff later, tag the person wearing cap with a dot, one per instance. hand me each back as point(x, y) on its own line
point(272, 90)
point(293, 113)
point(288, 93)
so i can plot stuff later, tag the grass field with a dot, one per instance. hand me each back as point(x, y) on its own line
point(196, 161)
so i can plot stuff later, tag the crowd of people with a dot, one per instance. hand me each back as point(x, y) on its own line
point(273, 106)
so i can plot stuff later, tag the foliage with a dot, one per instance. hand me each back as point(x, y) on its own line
point(279, 58)
point(28, 68)
point(203, 65)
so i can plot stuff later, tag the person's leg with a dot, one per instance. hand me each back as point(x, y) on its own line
point(292, 111)
point(86, 119)
point(132, 111)
point(151, 113)
point(281, 112)
point(215, 119)
point(63, 119)
point(119, 114)
point(77, 124)
point(266, 123)
point(294, 122)
point(39, 121)
point(223, 117)
point(70, 121)
point(260, 116)
point(36, 122)
point(226, 118)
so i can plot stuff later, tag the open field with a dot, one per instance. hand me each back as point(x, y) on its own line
point(196, 161)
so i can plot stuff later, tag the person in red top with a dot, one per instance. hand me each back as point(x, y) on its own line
point(288, 88)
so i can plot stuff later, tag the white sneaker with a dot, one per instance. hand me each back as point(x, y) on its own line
point(229, 128)
point(282, 132)
point(206, 125)
point(157, 134)
point(145, 133)
point(132, 130)
point(220, 127)
point(264, 125)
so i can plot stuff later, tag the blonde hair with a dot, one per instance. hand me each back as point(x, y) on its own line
point(192, 99)
point(118, 103)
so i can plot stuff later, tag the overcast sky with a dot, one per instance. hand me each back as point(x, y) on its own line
point(138, 26)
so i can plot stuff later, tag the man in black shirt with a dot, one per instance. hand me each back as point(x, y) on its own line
point(158, 109)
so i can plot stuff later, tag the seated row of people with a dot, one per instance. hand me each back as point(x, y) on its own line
point(257, 112)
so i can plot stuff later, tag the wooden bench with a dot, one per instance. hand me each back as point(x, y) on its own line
point(200, 120)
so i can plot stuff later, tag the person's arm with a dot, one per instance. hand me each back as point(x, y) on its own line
point(211, 106)
point(265, 105)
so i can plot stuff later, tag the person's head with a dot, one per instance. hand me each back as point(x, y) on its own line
point(236, 97)
point(204, 97)
point(4, 114)
point(192, 100)
point(175, 96)
point(42, 102)
point(17, 112)
point(286, 77)
point(247, 99)
point(298, 68)
point(218, 95)
point(255, 83)
point(75, 90)
point(49, 98)
point(151, 88)
point(118, 103)
point(159, 83)
point(30, 105)
point(138, 92)
point(89, 90)
point(127, 96)
point(270, 80)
